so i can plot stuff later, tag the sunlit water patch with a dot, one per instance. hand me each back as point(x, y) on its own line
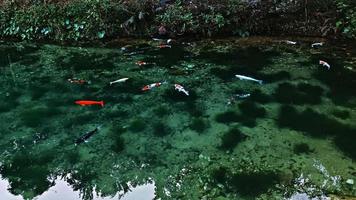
point(213, 136)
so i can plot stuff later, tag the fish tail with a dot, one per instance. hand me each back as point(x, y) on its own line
point(260, 82)
point(102, 103)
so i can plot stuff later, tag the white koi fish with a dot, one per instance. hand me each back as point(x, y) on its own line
point(290, 42)
point(119, 81)
point(181, 89)
point(242, 77)
point(318, 44)
point(325, 64)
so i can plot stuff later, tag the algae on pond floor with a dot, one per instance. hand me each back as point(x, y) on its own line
point(201, 146)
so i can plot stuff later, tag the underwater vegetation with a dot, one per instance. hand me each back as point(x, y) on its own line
point(342, 114)
point(161, 111)
point(341, 82)
point(253, 184)
point(227, 117)
point(298, 94)
point(137, 125)
point(231, 138)
point(118, 145)
point(305, 121)
point(28, 173)
point(86, 61)
point(275, 77)
point(199, 124)
point(344, 135)
point(249, 112)
point(161, 129)
point(302, 148)
point(33, 117)
point(259, 97)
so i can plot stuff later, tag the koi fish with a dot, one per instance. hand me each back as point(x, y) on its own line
point(325, 64)
point(181, 89)
point(318, 44)
point(237, 96)
point(242, 77)
point(77, 81)
point(153, 85)
point(119, 81)
point(140, 63)
point(87, 135)
point(89, 103)
point(161, 46)
point(290, 42)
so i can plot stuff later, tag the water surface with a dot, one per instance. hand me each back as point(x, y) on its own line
point(293, 136)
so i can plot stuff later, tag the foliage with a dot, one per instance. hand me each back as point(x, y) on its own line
point(347, 22)
point(86, 20)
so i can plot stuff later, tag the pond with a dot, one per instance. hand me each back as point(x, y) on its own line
point(178, 123)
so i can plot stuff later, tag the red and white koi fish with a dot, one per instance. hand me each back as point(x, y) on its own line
point(119, 81)
point(89, 103)
point(161, 46)
point(77, 81)
point(153, 85)
point(325, 64)
point(140, 63)
point(181, 89)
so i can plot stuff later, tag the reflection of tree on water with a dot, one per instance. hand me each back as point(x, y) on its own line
point(28, 175)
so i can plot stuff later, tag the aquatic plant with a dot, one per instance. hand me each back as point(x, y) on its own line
point(231, 138)
point(72, 156)
point(161, 111)
point(33, 117)
point(137, 125)
point(251, 110)
point(275, 77)
point(161, 129)
point(300, 94)
point(260, 97)
point(199, 125)
point(254, 183)
point(219, 174)
point(118, 145)
point(227, 117)
point(301, 148)
point(305, 122)
point(342, 114)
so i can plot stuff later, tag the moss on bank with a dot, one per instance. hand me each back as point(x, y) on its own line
point(87, 20)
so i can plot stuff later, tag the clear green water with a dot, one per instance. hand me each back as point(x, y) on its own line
point(295, 134)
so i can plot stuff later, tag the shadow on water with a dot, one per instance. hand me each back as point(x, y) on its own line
point(298, 94)
point(24, 55)
point(249, 113)
point(246, 61)
point(167, 57)
point(343, 135)
point(87, 61)
point(248, 185)
point(231, 138)
point(340, 81)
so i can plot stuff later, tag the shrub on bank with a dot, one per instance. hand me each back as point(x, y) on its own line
point(85, 20)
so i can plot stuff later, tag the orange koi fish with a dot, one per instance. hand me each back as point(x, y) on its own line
point(153, 85)
point(89, 103)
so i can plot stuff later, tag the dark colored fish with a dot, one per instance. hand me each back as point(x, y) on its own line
point(87, 135)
